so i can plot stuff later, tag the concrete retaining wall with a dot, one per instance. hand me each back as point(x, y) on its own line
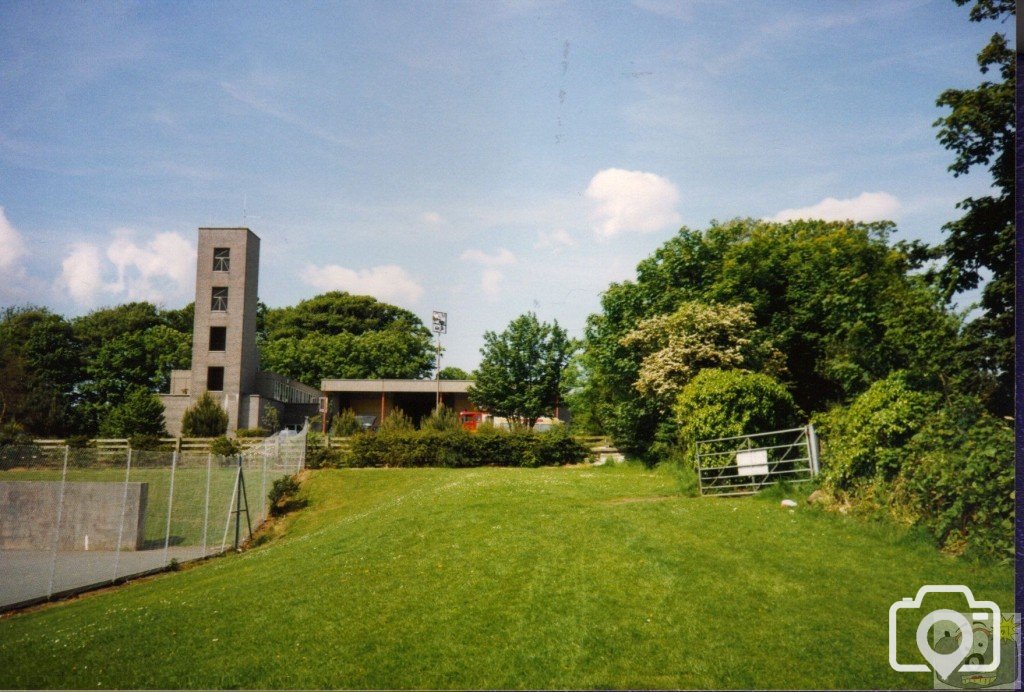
point(28, 515)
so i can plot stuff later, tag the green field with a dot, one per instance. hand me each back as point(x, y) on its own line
point(509, 578)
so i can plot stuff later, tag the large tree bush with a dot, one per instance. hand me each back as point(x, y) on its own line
point(729, 403)
point(943, 463)
point(520, 375)
point(340, 335)
point(980, 130)
point(141, 413)
point(837, 299)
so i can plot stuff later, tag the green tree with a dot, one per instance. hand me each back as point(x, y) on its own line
point(728, 403)
point(141, 413)
point(520, 374)
point(135, 359)
point(40, 366)
point(102, 326)
point(453, 373)
point(339, 335)
point(205, 418)
point(980, 131)
point(675, 347)
point(337, 312)
point(836, 298)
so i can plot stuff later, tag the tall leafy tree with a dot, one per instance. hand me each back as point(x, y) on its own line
point(520, 375)
point(338, 312)
point(40, 366)
point(979, 129)
point(835, 298)
point(340, 335)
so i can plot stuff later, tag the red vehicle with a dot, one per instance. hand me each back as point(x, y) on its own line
point(471, 419)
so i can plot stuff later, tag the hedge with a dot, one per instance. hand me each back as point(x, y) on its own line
point(462, 449)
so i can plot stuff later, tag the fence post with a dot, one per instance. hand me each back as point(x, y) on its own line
point(263, 488)
point(170, 506)
point(124, 508)
point(227, 524)
point(812, 449)
point(56, 529)
point(206, 505)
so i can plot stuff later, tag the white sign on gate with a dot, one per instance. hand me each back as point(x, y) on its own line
point(753, 462)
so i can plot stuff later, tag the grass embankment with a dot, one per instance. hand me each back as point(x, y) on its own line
point(508, 578)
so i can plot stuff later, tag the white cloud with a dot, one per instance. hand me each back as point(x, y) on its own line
point(161, 270)
point(867, 206)
point(389, 283)
point(632, 201)
point(12, 246)
point(490, 282)
point(501, 258)
point(556, 239)
point(431, 218)
point(82, 274)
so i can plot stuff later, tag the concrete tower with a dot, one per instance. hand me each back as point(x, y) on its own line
point(225, 361)
point(224, 357)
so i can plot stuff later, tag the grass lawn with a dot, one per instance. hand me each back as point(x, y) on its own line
point(509, 578)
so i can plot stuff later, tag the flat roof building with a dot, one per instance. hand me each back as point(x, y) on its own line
point(416, 398)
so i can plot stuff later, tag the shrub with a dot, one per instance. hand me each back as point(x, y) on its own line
point(77, 441)
point(205, 418)
point(12, 433)
point(867, 438)
point(251, 432)
point(442, 418)
point(946, 466)
point(345, 424)
point(141, 413)
point(271, 420)
point(459, 448)
point(225, 447)
point(144, 442)
point(282, 495)
point(726, 403)
point(396, 421)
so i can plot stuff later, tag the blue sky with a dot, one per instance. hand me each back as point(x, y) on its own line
point(483, 158)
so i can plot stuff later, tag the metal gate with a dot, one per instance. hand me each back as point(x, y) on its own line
point(744, 464)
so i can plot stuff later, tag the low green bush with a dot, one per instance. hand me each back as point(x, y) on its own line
point(944, 465)
point(282, 496)
point(225, 447)
point(462, 449)
point(727, 403)
point(345, 424)
point(77, 441)
point(251, 432)
point(442, 418)
point(396, 421)
point(144, 442)
point(205, 418)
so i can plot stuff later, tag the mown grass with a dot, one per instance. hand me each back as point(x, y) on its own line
point(509, 578)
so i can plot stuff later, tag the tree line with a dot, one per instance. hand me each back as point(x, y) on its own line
point(97, 374)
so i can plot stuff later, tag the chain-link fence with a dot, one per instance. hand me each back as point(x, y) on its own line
point(77, 518)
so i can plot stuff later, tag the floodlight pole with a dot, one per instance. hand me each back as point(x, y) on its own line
point(440, 320)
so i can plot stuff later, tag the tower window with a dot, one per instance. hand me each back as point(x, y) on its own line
point(219, 302)
point(215, 379)
point(218, 338)
point(221, 259)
